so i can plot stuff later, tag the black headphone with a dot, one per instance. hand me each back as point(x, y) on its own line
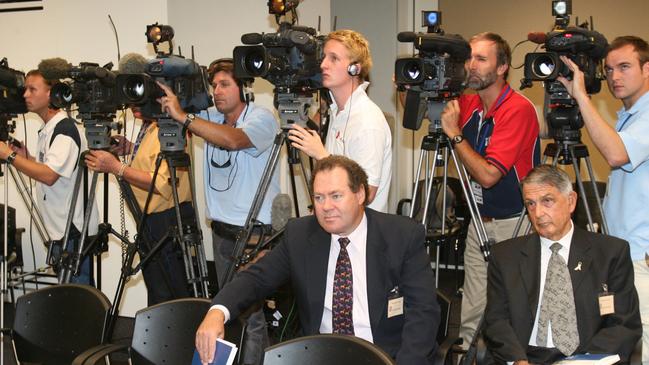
point(354, 69)
point(246, 94)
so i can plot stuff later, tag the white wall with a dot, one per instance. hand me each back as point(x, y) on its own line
point(79, 30)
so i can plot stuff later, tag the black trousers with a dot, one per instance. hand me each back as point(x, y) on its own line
point(164, 273)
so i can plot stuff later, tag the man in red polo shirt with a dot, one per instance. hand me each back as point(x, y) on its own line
point(495, 135)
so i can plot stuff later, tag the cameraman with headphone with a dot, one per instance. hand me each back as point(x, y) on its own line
point(358, 128)
point(238, 138)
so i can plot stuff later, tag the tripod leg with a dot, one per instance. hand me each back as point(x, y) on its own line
point(423, 154)
point(473, 207)
point(580, 186)
point(257, 202)
point(430, 183)
point(591, 175)
point(71, 268)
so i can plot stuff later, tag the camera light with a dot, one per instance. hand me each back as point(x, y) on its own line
point(561, 8)
point(158, 33)
point(431, 18)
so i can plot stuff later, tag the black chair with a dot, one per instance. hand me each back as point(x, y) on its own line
point(326, 350)
point(55, 324)
point(164, 334)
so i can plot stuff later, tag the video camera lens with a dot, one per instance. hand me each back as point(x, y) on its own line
point(61, 95)
point(544, 66)
point(133, 89)
point(254, 63)
point(410, 71)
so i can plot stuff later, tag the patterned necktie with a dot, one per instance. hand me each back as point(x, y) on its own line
point(343, 298)
point(558, 306)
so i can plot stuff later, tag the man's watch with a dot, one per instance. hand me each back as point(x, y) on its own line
point(457, 139)
point(188, 120)
point(11, 158)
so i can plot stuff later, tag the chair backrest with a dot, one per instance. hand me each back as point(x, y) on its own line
point(55, 324)
point(164, 333)
point(326, 350)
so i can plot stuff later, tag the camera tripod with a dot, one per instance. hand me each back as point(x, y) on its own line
point(292, 109)
point(186, 232)
point(97, 130)
point(437, 143)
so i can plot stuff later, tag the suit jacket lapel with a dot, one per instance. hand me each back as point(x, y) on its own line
point(579, 259)
point(376, 263)
point(316, 262)
point(531, 258)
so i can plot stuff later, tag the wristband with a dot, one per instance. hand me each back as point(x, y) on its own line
point(120, 173)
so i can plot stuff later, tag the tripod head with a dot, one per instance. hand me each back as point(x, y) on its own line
point(98, 127)
point(171, 135)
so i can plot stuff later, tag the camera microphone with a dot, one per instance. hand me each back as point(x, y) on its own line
point(251, 38)
point(280, 211)
point(406, 37)
point(54, 68)
point(537, 37)
point(132, 63)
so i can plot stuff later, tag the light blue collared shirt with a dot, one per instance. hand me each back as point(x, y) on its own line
point(232, 177)
point(627, 197)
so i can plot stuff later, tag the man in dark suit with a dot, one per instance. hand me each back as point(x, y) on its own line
point(392, 294)
point(602, 313)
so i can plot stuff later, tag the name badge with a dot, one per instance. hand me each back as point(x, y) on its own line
point(606, 301)
point(395, 307)
point(477, 191)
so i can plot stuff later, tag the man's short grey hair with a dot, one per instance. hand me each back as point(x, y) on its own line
point(549, 175)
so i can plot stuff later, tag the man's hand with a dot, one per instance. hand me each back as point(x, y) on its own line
point(121, 146)
point(5, 151)
point(521, 362)
point(102, 161)
point(577, 87)
point(20, 148)
point(212, 327)
point(451, 118)
point(307, 141)
point(171, 105)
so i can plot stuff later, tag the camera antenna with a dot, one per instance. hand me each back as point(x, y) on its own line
point(116, 37)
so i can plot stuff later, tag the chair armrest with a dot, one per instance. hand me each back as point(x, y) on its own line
point(94, 354)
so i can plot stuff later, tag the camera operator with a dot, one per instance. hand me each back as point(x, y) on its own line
point(55, 169)
point(495, 134)
point(358, 128)
point(626, 149)
point(238, 136)
point(164, 275)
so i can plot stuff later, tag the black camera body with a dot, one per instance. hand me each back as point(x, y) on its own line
point(289, 58)
point(185, 77)
point(12, 88)
point(437, 74)
point(92, 88)
point(439, 67)
point(585, 47)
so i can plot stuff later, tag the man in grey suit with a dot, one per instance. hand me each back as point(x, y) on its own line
point(540, 309)
point(353, 271)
